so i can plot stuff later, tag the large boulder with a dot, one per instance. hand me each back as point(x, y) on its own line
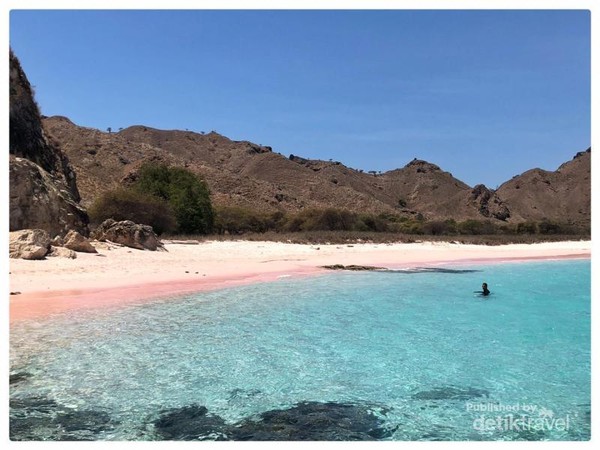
point(75, 241)
point(29, 244)
point(61, 252)
point(37, 201)
point(128, 233)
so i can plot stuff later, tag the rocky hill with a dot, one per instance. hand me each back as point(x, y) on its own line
point(561, 195)
point(43, 185)
point(246, 174)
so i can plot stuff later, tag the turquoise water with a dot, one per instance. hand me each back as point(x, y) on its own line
point(424, 351)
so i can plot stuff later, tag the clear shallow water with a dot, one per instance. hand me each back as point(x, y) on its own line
point(421, 349)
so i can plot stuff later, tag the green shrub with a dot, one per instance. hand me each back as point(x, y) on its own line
point(549, 227)
point(329, 219)
point(370, 222)
point(332, 219)
point(392, 218)
point(186, 193)
point(527, 227)
point(409, 226)
point(127, 204)
point(237, 220)
point(476, 227)
point(439, 227)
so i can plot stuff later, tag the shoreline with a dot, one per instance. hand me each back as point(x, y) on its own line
point(119, 276)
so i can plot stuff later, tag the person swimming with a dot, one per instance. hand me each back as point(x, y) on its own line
point(484, 289)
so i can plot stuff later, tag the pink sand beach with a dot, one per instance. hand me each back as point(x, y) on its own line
point(121, 275)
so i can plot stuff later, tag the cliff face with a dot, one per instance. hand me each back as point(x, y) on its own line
point(43, 185)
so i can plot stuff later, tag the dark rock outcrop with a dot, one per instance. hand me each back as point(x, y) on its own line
point(128, 234)
point(421, 166)
point(43, 185)
point(488, 203)
point(29, 244)
point(27, 137)
point(37, 201)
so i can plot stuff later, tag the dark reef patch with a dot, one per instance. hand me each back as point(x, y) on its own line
point(189, 423)
point(39, 418)
point(313, 421)
point(18, 377)
point(431, 270)
point(306, 421)
point(356, 268)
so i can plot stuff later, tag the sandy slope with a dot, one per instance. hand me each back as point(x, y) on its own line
point(120, 274)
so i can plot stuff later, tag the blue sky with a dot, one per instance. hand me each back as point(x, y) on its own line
point(484, 94)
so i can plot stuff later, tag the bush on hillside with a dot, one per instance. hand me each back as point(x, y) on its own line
point(548, 227)
point(238, 220)
point(528, 227)
point(476, 227)
point(329, 219)
point(370, 222)
point(186, 193)
point(127, 204)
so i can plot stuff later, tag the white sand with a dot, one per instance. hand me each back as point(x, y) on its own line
point(227, 262)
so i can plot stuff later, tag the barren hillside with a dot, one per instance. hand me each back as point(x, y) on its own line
point(562, 195)
point(246, 174)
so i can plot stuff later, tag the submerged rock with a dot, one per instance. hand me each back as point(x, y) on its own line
point(353, 267)
point(406, 271)
point(33, 404)
point(18, 377)
point(91, 422)
point(313, 421)
point(39, 418)
point(451, 393)
point(189, 423)
point(306, 421)
point(239, 394)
